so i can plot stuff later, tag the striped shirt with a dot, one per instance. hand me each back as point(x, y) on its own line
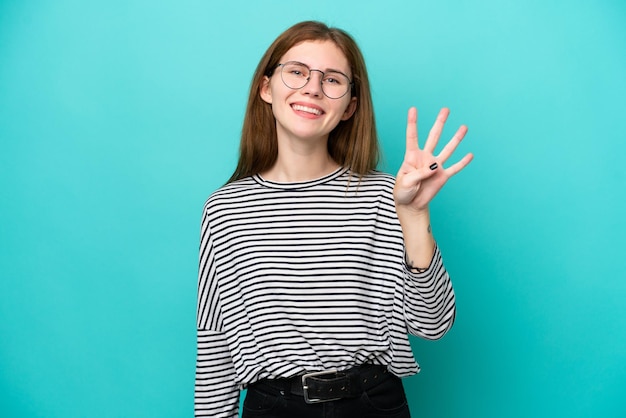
point(308, 276)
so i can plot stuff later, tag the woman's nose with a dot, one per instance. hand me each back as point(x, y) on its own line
point(314, 85)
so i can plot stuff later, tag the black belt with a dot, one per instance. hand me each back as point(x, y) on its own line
point(331, 385)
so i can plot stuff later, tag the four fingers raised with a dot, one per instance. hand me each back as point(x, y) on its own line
point(412, 143)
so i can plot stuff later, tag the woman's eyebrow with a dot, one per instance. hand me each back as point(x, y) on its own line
point(327, 70)
point(332, 70)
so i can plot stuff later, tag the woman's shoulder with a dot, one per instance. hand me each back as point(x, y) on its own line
point(373, 184)
point(231, 193)
point(376, 175)
point(376, 179)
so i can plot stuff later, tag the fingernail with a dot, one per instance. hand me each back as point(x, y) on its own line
point(433, 166)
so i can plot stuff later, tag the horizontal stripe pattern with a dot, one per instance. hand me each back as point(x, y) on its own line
point(304, 277)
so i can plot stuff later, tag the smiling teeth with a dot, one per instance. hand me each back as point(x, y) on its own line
point(307, 109)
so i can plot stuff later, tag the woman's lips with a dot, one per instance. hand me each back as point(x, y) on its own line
point(312, 110)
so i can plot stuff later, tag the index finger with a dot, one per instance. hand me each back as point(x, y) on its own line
point(411, 130)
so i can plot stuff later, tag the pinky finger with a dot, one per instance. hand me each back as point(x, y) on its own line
point(455, 168)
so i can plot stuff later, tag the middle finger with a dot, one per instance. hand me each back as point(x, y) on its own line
point(435, 131)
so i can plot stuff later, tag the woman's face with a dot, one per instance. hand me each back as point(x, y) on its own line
point(307, 113)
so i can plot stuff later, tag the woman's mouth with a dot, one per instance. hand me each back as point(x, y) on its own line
point(307, 109)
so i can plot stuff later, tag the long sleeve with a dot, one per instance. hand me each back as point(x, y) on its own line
point(216, 393)
point(429, 302)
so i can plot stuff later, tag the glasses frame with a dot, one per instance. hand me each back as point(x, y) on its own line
point(350, 82)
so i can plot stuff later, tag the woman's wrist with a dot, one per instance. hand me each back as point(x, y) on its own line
point(419, 242)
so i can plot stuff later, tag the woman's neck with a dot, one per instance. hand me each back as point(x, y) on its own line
point(300, 163)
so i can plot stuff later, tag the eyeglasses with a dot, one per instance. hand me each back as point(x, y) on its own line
point(296, 75)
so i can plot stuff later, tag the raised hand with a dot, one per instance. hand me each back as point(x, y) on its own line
point(422, 174)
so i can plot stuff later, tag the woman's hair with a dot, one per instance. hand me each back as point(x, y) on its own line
point(353, 143)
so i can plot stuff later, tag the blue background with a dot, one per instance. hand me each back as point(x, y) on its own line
point(119, 118)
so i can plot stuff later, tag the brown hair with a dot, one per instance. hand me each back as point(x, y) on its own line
point(353, 143)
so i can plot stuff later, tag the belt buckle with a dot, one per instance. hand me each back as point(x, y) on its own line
point(305, 387)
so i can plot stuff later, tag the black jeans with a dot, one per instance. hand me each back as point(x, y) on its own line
point(386, 400)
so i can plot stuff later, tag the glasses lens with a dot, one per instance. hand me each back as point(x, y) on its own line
point(295, 75)
point(335, 85)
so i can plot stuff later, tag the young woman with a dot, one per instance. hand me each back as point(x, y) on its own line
point(314, 267)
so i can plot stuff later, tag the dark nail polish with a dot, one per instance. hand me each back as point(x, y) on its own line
point(433, 166)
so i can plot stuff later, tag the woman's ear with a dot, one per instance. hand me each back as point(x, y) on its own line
point(350, 109)
point(265, 91)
